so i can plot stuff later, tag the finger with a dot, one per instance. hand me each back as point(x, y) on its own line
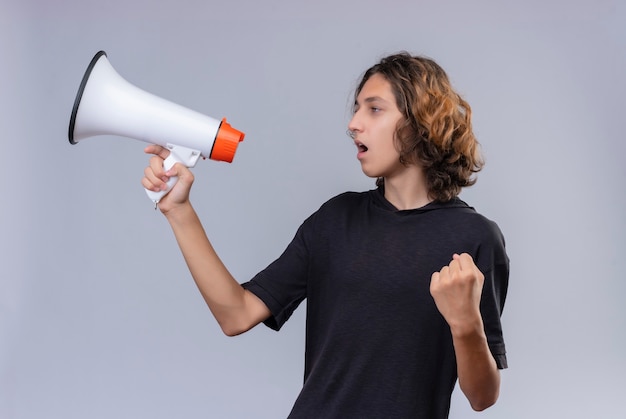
point(149, 185)
point(465, 261)
point(455, 266)
point(151, 181)
point(177, 170)
point(434, 277)
point(157, 150)
point(434, 283)
point(184, 174)
point(156, 165)
point(444, 273)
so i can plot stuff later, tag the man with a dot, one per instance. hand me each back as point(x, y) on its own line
point(405, 284)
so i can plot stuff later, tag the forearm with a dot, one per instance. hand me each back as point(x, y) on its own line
point(235, 309)
point(479, 377)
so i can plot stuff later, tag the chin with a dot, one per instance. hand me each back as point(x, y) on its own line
point(367, 171)
point(370, 174)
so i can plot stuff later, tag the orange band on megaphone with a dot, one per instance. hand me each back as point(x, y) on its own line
point(226, 142)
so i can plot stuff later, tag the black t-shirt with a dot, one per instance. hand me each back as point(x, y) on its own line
point(376, 345)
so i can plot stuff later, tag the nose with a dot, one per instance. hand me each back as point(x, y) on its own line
point(354, 125)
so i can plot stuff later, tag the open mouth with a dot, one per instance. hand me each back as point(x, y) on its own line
point(362, 148)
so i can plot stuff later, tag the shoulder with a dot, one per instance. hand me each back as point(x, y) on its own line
point(477, 230)
point(488, 236)
point(336, 211)
point(474, 222)
point(345, 200)
point(486, 228)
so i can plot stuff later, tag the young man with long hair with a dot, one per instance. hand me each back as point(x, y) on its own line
point(405, 283)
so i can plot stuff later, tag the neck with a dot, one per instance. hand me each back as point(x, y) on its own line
point(408, 191)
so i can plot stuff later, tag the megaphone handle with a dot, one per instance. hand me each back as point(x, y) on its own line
point(168, 163)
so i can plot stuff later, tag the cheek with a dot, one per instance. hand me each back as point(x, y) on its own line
point(389, 142)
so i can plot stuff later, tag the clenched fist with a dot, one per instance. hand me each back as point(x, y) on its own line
point(456, 289)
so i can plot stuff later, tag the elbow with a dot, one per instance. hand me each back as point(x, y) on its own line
point(232, 330)
point(233, 327)
point(483, 403)
point(484, 399)
point(482, 406)
point(238, 319)
point(483, 392)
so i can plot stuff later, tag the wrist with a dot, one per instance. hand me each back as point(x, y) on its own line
point(177, 212)
point(468, 329)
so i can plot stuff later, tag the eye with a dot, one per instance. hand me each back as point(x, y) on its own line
point(374, 109)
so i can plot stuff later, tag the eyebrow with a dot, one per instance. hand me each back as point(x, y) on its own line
point(374, 99)
point(371, 99)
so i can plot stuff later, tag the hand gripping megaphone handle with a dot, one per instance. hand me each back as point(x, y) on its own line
point(178, 154)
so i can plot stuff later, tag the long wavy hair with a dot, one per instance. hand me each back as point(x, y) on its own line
point(436, 131)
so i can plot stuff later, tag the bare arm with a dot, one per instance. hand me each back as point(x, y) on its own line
point(235, 309)
point(456, 290)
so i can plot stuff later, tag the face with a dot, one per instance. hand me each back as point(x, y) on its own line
point(373, 128)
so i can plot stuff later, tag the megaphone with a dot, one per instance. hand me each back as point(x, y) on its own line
point(106, 104)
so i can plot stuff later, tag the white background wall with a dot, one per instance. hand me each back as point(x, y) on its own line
point(98, 315)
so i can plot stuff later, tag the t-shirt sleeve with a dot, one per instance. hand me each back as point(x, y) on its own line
point(494, 264)
point(283, 284)
point(491, 305)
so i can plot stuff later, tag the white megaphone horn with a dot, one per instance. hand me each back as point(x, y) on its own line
point(106, 104)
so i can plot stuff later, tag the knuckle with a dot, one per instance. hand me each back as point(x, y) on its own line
point(147, 184)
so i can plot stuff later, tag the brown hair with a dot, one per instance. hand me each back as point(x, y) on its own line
point(436, 131)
